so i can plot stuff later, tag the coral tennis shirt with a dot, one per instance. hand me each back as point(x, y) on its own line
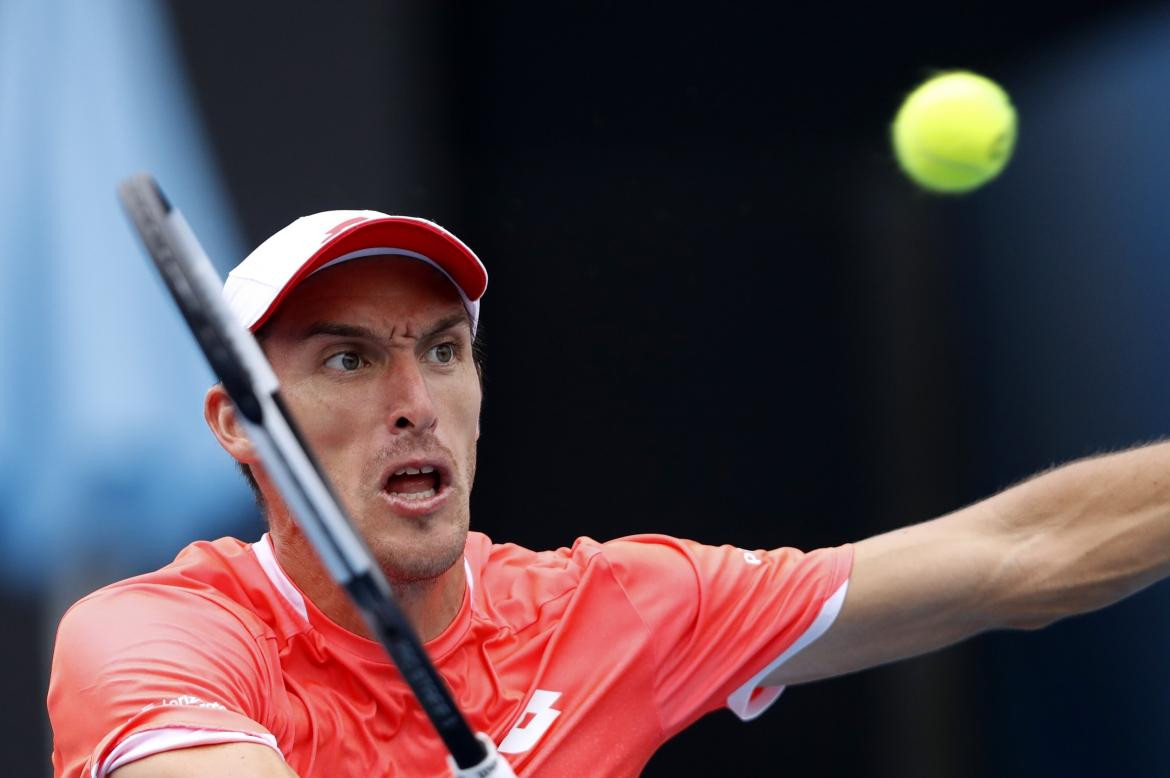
point(579, 661)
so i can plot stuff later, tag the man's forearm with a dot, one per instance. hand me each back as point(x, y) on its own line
point(1085, 535)
point(1071, 540)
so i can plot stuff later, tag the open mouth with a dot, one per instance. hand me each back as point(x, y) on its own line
point(415, 483)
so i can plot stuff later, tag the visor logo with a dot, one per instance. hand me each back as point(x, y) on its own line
point(333, 233)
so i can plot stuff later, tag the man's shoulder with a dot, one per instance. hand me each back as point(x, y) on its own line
point(513, 559)
point(199, 565)
point(504, 558)
point(516, 579)
point(182, 646)
point(207, 580)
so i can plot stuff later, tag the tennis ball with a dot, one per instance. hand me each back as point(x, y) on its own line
point(955, 132)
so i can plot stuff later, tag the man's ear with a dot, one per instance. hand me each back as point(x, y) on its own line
point(220, 413)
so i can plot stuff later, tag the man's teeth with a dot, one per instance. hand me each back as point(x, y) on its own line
point(415, 470)
point(414, 495)
point(419, 495)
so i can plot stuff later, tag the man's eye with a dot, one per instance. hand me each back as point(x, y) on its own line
point(346, 361)
point(443, 353)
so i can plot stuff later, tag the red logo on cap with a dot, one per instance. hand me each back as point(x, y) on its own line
point(333, 233)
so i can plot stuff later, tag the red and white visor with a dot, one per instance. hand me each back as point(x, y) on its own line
point(258, 285)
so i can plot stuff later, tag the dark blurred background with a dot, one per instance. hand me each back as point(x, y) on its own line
point(716, 308)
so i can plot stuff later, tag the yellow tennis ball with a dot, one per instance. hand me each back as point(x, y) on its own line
point(955, 132)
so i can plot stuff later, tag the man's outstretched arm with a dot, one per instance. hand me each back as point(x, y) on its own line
point(1071, 540)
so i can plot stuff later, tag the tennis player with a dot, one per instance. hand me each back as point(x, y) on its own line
point(244, 659)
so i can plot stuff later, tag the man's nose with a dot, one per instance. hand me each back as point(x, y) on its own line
point(408, 398)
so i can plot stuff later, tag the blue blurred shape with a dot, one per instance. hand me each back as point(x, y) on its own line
point(103, 450)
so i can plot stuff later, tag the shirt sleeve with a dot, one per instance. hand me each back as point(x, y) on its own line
point(142, 669)
point(722, 618)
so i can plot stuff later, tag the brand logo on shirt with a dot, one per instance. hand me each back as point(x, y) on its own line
point(185, 699)
point(533, 723)
point(751, 558)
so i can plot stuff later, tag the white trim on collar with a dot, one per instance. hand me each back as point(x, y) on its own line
point(262, 548)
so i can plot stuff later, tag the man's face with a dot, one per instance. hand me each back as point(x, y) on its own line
point(374, 359)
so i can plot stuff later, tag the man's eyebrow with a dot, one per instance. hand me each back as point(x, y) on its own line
point(340, 330)
point(447, 323)
point(337, 329)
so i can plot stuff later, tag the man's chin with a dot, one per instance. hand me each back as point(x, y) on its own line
point(413, 571)
point(420, 556)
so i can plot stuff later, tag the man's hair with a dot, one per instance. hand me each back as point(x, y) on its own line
point(477, 356)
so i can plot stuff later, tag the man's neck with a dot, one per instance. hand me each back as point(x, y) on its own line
point(429, 605)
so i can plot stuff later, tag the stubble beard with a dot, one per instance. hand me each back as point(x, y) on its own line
point(407, 562)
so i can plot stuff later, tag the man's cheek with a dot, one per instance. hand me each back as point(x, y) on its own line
point(329, 425)
point(333, 445)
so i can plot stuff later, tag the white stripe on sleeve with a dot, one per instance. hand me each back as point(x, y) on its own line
point(155, 741)
point(742, 703)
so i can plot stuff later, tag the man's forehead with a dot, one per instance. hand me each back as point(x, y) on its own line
point(457, 321)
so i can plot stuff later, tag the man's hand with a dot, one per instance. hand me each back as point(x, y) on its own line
point(1071, 540)
point(229, 760)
